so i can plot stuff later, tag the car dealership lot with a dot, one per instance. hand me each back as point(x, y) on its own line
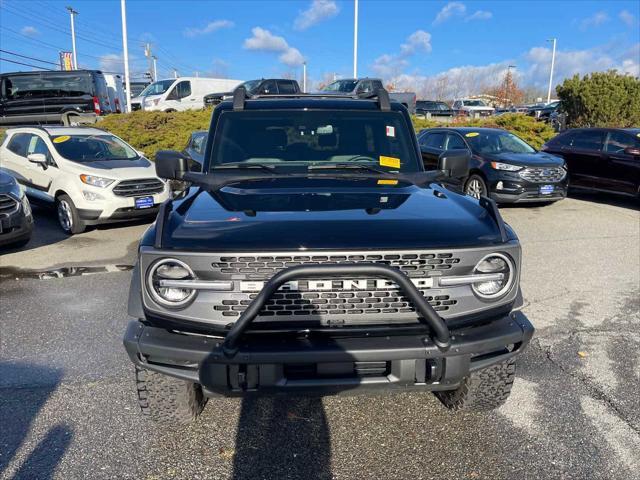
point(69, 411)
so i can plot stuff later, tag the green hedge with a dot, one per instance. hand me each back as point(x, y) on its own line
point(153, 131)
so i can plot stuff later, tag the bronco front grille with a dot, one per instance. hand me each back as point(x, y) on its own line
point(264, 267)
point(543, 174)
point(8, 205)
point(135, 188)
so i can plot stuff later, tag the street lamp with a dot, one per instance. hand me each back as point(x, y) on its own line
point(553, 59)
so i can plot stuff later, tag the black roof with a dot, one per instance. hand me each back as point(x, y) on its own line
point(311, 102)
point(57, 72)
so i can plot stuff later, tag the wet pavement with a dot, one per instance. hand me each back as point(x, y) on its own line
point(68, 406)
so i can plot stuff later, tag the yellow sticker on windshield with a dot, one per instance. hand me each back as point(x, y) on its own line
point(392, 162)
point(472, 134)
point(62, 138)
point(387, 182)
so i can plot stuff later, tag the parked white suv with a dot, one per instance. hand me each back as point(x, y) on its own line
point(90, 175)
point(468, 106)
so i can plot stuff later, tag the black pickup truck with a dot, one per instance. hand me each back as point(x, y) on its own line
point(313, 254)
point(261, 86)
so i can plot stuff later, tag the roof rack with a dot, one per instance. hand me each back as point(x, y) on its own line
point(240, 96)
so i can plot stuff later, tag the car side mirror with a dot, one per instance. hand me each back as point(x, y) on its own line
point(632, 151)
point(171, 165)
point(454, 163)
point(38, 159)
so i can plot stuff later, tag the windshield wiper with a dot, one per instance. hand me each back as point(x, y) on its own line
point(244, 166)
point(350, 166)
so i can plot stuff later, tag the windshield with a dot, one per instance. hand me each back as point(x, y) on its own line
point(89, 148)
point(341, 86)
point(302, 139)
point(474, 103)
point(489, 142)
point(251, 85)
point(157, 88)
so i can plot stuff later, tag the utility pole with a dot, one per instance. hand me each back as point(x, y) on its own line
point(553, 59)
point(175, 73)
point(355, 40)
point(149, 55)
point(73, 13)
point(304, 77)
point(155, 67)
point(125, 52)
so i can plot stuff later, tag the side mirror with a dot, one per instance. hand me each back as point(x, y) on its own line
point(39, 159)
point(632, 151)
point(454, 163)
point(171, 165)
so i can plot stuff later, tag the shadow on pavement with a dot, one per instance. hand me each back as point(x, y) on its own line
point(606, 199)
point(21, 400)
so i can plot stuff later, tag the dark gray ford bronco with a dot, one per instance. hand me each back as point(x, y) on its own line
point(313, 254)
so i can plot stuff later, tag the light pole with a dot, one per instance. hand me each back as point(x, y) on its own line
point(553, 59)
point(125, 53)
point(355, 40)
point(155, 68)
point(304, 77)
point(73, 13)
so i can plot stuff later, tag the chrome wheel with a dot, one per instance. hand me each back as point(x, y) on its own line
point(65, 216)
point(475, 188)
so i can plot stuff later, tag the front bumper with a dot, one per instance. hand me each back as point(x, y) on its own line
point(514, 189)
point(15, 227)
point(93, 217)
point(327, 364)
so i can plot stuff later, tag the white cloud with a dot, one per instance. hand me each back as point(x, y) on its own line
point(449, 10)
point(479, 15)
point(318, 11)
point(627, 18)
point(264, 40)
point(594, 20)
point(209, 28)
point(417, 41)
point(29, 31)
point(111, 62)
point(392, 65)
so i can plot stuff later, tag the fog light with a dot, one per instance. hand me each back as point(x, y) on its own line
point(91, 196)
point(499, 185)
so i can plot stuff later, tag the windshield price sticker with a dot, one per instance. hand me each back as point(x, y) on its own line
point(387, 182)
point(391, 131)
point(391, 162)
point(472, 134)
point(62, 138)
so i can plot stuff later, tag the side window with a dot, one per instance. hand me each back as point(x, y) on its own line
point(434, 140)
point(286, 87)
point(588, 140)
point(198, 143)
point(364, 87)
point(619, 141)
point(456, 104)
point(184, 89)
point(376, 84)
point(269, 86)
point(18, 144)
point(455, 142)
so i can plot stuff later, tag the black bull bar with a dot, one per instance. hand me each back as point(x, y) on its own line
point(440, 332)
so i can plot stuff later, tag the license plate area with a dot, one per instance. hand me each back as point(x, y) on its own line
point(143, 202)
point(546, 189)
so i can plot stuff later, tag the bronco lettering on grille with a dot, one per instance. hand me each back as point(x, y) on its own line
point(320, 285)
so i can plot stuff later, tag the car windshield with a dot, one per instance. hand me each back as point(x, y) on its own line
point(91, 148)
point(251, 85)
point(474, 103)
point(341, 86)
point(157, 88)
point(488, 142)
point(286, 139)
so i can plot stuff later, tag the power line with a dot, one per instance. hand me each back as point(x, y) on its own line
point(26, 64)
point(27, 57)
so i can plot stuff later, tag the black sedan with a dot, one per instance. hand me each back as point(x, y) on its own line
point(16, 220)
point(503, 166)
point(194, 150)
point(436, 109)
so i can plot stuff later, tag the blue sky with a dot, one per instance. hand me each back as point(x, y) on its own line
point(413, 44)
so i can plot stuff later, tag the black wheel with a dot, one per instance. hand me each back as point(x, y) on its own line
point(167, 399)
point(483, 390)
point(68, 217)
point(476, 187)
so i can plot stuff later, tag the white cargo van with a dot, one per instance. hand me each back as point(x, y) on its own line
point(183, 93)
point(116, 93)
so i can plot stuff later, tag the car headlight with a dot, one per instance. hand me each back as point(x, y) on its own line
point(505, 166)
point(166, 270)
point(502, 267)
point(101, 182)
point(26, 206)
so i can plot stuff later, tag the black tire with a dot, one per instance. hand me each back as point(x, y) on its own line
point(166, 399)
point(68, 217)
point(476, 187)
point(483, 390)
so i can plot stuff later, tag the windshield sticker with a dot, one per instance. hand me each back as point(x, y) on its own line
point(62, 138)
point(391, 131)
point(325, 130)
point(387, 182)
point(391, 162)
point(472, 134)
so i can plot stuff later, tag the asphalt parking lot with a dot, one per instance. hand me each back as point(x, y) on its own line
point(68, 409)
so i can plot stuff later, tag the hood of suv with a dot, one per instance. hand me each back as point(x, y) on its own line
point(116, 169)
point(326, 214)
point(537, 159)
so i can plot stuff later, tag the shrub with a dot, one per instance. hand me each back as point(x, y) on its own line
point(601, 99)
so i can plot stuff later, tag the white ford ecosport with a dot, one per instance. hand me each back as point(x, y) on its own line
point(90, 175)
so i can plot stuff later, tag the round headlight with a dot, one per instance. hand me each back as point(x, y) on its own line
point(499, 264)
point(170, 296)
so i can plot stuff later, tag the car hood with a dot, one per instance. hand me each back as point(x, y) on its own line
point(6, 180)
point(326, 214)
point(537, 159)
point(116, 169)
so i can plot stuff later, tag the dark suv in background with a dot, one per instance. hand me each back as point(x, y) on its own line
point(262, 86)
point(503, 166)
point(606, 159)
point(43, 97)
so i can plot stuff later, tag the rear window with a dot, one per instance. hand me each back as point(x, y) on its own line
point(24, 87)
point(287, 138)
point(286, 87)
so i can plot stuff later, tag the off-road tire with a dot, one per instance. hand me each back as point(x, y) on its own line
point(166, 399)
point(483, 390)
